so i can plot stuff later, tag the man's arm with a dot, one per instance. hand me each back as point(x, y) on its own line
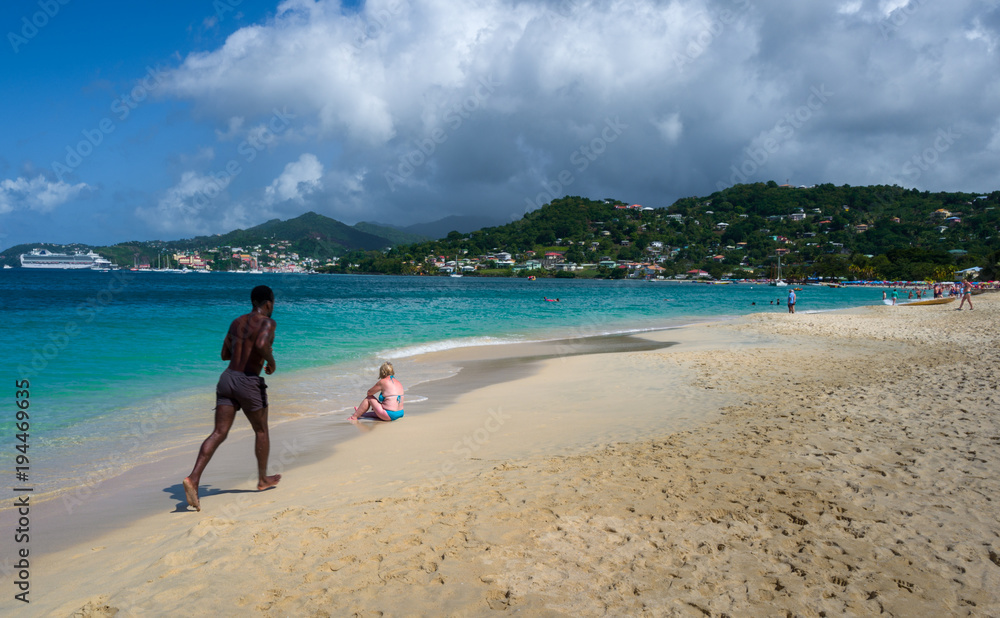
point(227, 346)
point(263, 344)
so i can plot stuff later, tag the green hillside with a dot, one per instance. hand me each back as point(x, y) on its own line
point(309, 235)
point(877, 232)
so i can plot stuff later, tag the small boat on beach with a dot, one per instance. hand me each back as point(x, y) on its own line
point(926, 301)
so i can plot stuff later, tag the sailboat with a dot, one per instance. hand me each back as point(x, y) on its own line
point(778, 282)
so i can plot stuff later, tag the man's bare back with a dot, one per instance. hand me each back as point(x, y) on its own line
point(248, 343)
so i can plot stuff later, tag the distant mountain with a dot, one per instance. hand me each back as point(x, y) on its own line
point(454, 223)
point(394, 234)
point(309, 234)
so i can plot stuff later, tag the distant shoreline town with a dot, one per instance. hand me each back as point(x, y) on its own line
point(757, 232)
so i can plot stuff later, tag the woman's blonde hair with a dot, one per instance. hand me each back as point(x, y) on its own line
point(385, 370)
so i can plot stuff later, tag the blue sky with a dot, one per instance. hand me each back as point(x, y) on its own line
point(127, 121)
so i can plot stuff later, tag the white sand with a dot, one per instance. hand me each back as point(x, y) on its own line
point(852, 470)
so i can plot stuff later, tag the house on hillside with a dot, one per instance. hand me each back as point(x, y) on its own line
point(566, 266)
point(552, 258)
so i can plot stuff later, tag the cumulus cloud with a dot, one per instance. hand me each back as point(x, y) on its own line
point(299, 179)
point(191, 206)
point(670, 127)
point(38, 194)
point(436, 111)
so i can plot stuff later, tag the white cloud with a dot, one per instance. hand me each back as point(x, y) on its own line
point(670, 128)
point(849, 8)
point(37, 194)
point(299, 179)
point(485, 107)
point(190, 205)
point(980, 33)
point(234, 128)
point(886, 7)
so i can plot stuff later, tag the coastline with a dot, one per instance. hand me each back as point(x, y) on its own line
point(846, 467)
point(100, 507)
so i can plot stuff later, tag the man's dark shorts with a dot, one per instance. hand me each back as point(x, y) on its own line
point(241, 391)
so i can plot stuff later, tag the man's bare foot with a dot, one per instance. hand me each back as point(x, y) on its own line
point(268, 482)
point(191, 492)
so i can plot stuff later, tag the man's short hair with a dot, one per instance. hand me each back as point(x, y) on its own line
point(260, 295)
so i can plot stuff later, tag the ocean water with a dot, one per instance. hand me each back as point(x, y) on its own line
point(122, 365)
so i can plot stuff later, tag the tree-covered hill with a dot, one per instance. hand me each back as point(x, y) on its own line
point(311, 234)
point(875, 232)
point(856, 232)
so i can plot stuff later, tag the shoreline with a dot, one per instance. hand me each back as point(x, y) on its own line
point(296, 441)
point(110, 422)
point(161, 433)
point(816, 462)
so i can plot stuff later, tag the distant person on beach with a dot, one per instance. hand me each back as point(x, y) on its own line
point(938, 290)
point(895, 295)
point(385, 399)
point(247, 347)
point(883, 294)
point(966, 295)
point(791, 300)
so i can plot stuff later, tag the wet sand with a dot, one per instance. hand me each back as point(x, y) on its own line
point(804, 464)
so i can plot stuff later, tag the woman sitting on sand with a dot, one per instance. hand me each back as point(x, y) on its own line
point(388, 404)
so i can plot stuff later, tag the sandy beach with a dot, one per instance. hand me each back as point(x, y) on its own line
point(793, 465)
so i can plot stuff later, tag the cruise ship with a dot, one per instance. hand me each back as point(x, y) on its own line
point(42, 258)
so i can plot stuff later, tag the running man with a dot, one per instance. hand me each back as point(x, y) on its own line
point(247, 347)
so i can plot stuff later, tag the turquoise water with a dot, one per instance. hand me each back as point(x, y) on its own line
point(123, 365)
